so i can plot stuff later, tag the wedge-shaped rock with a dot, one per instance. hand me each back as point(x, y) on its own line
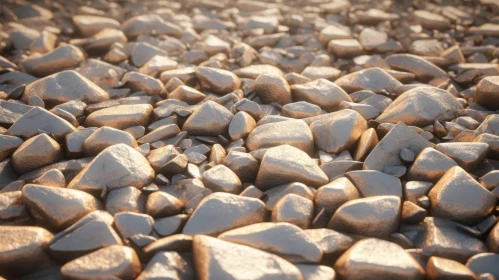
point(373, 79)
point(283, 239)
point(273, 88)
point(332, 243)
point(221, 179)
point(112, 262)
point(377, 259)
point(149, 24)
point(334, 194)
point(103, 74)
point(120, 117)
point(339, 131)
point(239, 211)
point(316, 272)
point(57, 208)
point(23, 249)
point(39, 119)
point(421, 107)
point(387, 152)
point(484, 263)
point(467, 155)
point(294, 209)
point(63, 87)
point(376, 216)
point(441, 268)
point(8, 145)
point(322, 93)
point(105, 137)
point(218, 259)
point(295, 133)
point(169, 265)
point(209, 119)
point(487, 92)
point(374, 183)
point(430, 165)
point(36, 152)
point(287, 164)
point(115, 167)
point(458, 197)
point(417, 65)
point(217, 81)
point(61, 58)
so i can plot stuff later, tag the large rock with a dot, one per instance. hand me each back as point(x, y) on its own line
point(373, 79)
point(39, 119)
point(273, 88)
point(149, 24)
point(421, 107)
point(339, 131)
point(487, 92)
point(62, 58)
point(238, 211)
point(218, 259)
point(209, 119)
point(295, 133)
point(36, 152)
point(63, 87)
point(322, 93)
point(377, 259)
point(121, 116)
point(417, 65)
point(218, 81)
point(283, 239)
point(115, 167)
point(287, 164)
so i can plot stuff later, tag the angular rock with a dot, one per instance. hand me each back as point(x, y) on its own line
point(430, 165)
point(36, 152)
point(121, 116)
point(209, 119)
point(217, 81)
point(374, 183)
point(322, 93)
point(105, 137)
point(440, 268)
point(334, 194)
point(273, 88)
point(221, 179)
point(61, 58)
point(467, 155)
point(374, 79)
point(419, 66)
point(39, 119)
point(295, 210)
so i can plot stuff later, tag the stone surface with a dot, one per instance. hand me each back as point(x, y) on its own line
point(321, 92)
point(209, 119)
point(36, 152)
point(374, 79)
point(120, 117)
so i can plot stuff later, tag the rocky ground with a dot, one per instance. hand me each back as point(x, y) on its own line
point(249, 140)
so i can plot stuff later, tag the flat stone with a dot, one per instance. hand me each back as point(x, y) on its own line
point(114, 261)
point(253, 71)
point(333, 32)
point(440, 268)
point(316, 272)
point(332, 243)
point(126, 199)
point(467, 155)
point(170, 265)
point(209, 119)
point(334, 194)
point(450, 198)
point(300, 110)
point(59, 59)
point(8, 145)
point(430, 165)
point(273, 88)
point(373, 216)
point(374, 183)
point(138, 81)
point(221, 179)
point(215, 259)
point(116, 166)
point(162, 204)
point(273, 195)
point(170, 225)
point(45, 204)
point(207, 218)
point(283, 239)
point(386, 153)
point(417, 65)
point(295, 133)
point(129, 224)
point(161, 133)
point(431, 20)
point(295, 210)
point(217, 81)
point(103, 74)
point(23, 249)
point(105, 137)
point(53, 178)
point(90, 25)
point(484, 263)
point(121, 116)
point(39, 119)
point(486, 92)
point(36, 152)
point(187, 94)
point(377, 258)
point(148, 24)
point(241, 125)
point(345, 48)
point(438, 105)
point(287, 164)
point(373, 79)
point(426, 48)
point(322, 93)
point(339, 131)
point(371, 38)
point(176, 242)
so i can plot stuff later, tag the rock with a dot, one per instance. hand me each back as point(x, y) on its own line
point(121, 116)
point(53, 178)
point(316, 272)
point(426, 48)
point(366, 143)
point(449, 198)
point(126, 199)
point(467, 155)
point(23, 249)
point(207, 218)
point(430, 165)
point(209, 119)
point(273, 195)
point(338, 131)
point(487, 29)
point(90, 25)
point(295, 133)
point(168, 264)
point(39, 119)
point(295, 210)
point(322, 93)
point(62, 58)
point(411, 213)
point(419, 66)
point(333, 32)
point(114, 261)
point(45, 204)
point(221, 179)
point(286, 164)
point(241, 125)
point(105, 137)
point(138, 81)
point(217, 81)
point(431, 21)
point(8, 145)
point(486, 92)
point(273, 88)
point(170, 225)
point(484, 263)
point(187, 94)
point(493, 239)
point(373, 79)
point(376, 216)
point(345, 48)
point(386, 153)
point(116, 166)
point(129, 224)
point(438, 105)
point(253, 71)
point(371, 38)
point(149, 24)
point(161, 133)
point(374, 183)
point(63, 87)
point(440, 268)
point(284, 239)
point(332, 243)
point(215, 259)
point(378, 259)
point(300, 110)
point(36, 152)
point(334, 194)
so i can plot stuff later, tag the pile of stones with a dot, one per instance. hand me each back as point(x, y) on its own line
point(222, 139)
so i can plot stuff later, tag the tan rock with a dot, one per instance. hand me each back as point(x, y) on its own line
point(121, 116)
point(209, 119)
point(322, 93)
point(36, 152)
point(295, 210)
point(217, 81)
point(105, 137)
